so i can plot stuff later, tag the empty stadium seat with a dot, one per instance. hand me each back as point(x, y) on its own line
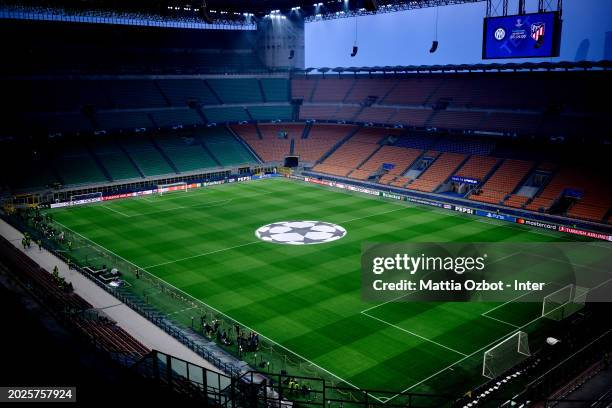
point(275, 89)
point(503, 182)
point(117, 120)
point(596, 194)
point(114, 160)
point(225, 148)
point(146, 156)
point(321, 139)
point(134, 94)
point(227, 114)
point(180, 92)
point(354, 151)
point(76, 166)
point(236, 90)
point(268, 113)
point(332, 89)
point(477, 167)
point(186, 151)
point(175, 117)
point(271, 147)
point(302, 88)
point(440, 170)
point(400, 157)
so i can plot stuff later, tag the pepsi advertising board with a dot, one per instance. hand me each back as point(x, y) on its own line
point(522, 36)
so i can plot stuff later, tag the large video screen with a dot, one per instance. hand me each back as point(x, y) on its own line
point(521, 36)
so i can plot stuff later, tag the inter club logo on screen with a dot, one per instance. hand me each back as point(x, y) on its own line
point(500, 34)
point(537, 31)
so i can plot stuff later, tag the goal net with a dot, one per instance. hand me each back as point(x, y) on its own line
point(564, 302)
point(85, 198)
point(505, 355)
point(167, 188)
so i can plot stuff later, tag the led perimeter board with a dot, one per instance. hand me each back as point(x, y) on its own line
point(534, 35)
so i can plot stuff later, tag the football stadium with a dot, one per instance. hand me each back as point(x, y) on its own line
point(347, 203)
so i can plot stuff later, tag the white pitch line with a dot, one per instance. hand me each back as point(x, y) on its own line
point(206, 204)
point(510, 301)
point(116, 211)
point(388, 301)
point(570, 263)
point(505, 257)
point(499, 320)
point(414, 334)
point(200, 255)
point(601, 284)
point(374, 215)
point(223, 314)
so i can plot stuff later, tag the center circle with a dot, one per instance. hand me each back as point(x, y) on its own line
point(300, 232)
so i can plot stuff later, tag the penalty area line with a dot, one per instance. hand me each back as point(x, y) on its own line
point(499, 320)
point(510, 301)
point(449, 367)
point(414, 334)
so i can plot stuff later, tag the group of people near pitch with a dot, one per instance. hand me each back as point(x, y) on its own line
point(43, 223)
point(246, 342)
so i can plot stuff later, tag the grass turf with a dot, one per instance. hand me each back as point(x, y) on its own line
point(307, 298)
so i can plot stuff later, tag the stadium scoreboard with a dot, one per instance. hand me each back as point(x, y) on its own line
point(536, 35)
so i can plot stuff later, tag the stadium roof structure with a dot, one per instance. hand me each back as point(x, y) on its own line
point(239, 10)
point(526, 66)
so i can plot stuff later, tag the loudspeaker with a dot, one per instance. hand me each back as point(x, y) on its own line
point(355, 49)
point(434, 47)
point(369, 5)
point(291, 54)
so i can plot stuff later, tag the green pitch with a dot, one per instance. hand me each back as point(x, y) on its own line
point(306, 299)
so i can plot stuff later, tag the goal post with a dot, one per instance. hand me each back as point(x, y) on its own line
point(167, 188)
point(505, 355)
point(564, 302)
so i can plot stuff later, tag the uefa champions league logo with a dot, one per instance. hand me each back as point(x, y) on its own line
point(300, 232)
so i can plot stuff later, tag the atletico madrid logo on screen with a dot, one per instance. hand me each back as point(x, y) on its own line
point(537, 31)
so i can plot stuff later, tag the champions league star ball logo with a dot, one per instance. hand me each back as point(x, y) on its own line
point(300, 232)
